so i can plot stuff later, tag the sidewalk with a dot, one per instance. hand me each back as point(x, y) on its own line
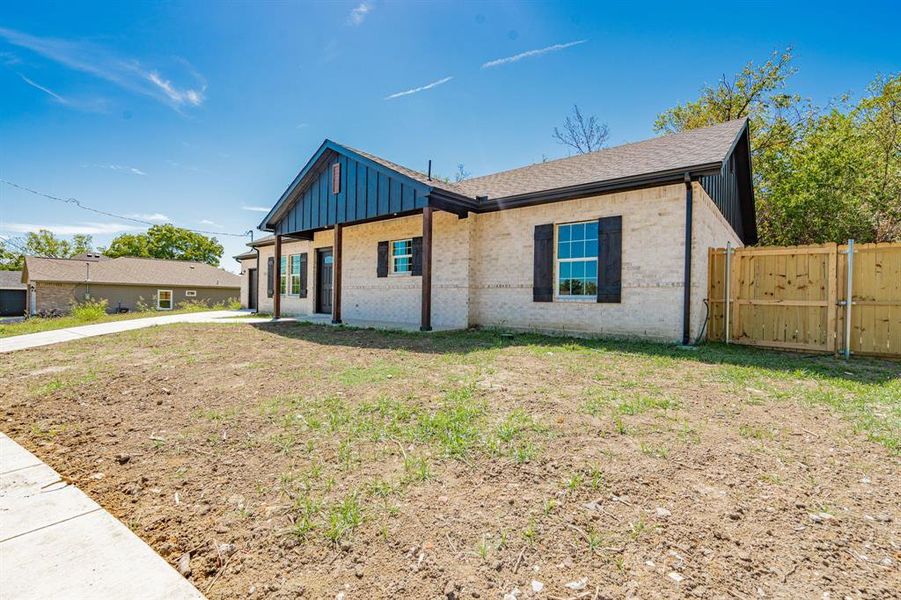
point(44, 338)
point(55, 542)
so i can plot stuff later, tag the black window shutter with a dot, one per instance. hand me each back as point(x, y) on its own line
point(382, 266)
point(303, 275)
point(270, 276)
point(610, 259)
point(543, 267)
point(417, 256)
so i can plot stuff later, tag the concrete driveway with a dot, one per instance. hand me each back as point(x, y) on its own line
point(45, 338)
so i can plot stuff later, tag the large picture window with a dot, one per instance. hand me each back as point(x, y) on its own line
point(577, 260)
point(294, 274)
point(283, 276)
point(402, 257)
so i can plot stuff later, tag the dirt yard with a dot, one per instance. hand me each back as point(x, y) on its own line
point(299, 461)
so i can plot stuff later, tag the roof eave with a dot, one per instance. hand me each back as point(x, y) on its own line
point(600, 187)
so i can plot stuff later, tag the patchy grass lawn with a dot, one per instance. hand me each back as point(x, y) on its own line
point(300, 460)
point(38, 324)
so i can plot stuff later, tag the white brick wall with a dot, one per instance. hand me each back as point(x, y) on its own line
point(652, 265)
point(392, 299)
point(482, 268)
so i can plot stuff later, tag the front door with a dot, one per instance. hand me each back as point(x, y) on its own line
point(324, 267)
point(252, 289)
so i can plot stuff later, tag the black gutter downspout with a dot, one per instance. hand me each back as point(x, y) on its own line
point(686, 302)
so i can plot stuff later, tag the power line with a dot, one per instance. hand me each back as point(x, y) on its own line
point(77, 203)
point(15, 244)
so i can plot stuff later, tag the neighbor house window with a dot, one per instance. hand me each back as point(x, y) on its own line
point(191, 293)
point(402, 257)
point(164, 299)
point(294, 274)
point(283, 276)
point(577, 260)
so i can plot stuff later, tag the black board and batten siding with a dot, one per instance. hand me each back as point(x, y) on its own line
point(725, 190)
point(366, 191)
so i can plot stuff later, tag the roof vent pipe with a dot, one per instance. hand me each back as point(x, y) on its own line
point(430, 169)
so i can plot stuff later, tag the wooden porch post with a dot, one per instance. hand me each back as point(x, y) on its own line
point(426, 319)
point(277, 284)
point(336, 286)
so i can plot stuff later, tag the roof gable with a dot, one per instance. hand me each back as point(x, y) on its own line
point(369, 187)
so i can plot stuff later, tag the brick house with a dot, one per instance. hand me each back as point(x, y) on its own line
point(612, 242)
point(126, 283)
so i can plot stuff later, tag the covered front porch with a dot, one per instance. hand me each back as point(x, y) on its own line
point(343, 192)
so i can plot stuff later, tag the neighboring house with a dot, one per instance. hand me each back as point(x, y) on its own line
point(612, 242)
point(126, 283)
point(12, 294)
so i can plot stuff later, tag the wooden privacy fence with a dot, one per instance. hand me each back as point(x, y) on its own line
point(794, 297)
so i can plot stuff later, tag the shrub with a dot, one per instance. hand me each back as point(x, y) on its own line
point(141, 306)
point(193, 305)
point(89, 310)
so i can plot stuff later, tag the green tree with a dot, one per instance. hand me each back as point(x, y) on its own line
point(169, 242)
point(43, 243)
point(10, 260)
point(841, 178)
point(819, 175)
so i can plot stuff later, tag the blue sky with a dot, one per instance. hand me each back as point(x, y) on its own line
point(197, 113)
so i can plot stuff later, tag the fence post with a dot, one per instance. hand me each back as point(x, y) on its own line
point(728, 287)
point(831, 302)
point(849, 295)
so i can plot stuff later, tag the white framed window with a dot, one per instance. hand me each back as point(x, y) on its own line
point(283, 276)
point(401, 257)
point(294, 275)
point(191, 293)
point(164, 299)
point(577, 260)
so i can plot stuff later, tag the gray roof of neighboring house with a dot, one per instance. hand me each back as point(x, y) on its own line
point(11, 280)
point(676, 151)
point(127, 270)
point(245, 255)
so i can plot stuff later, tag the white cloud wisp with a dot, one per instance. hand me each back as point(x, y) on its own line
point(530, 54)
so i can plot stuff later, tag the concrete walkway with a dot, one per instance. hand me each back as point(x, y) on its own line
point(55, 542)
point(45, 338)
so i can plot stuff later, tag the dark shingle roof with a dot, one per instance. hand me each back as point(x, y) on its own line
point(698, 150)
point(127, 270)
point(412, 174)
point(666, 153)
point(11, 280)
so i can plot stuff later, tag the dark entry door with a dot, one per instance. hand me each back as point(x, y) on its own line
point(252, 289)
point(324, 267)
